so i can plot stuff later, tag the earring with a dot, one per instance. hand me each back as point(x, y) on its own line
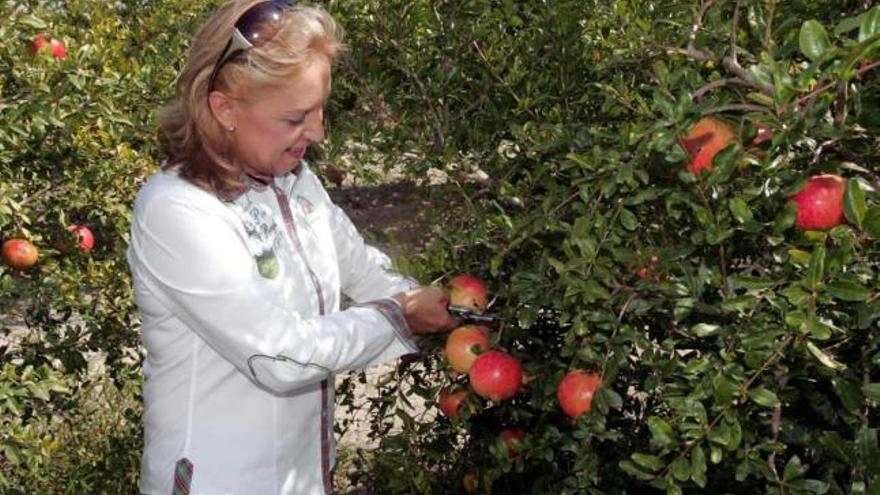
point(231, 128)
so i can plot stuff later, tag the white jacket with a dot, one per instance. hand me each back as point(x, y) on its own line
point(238, 377)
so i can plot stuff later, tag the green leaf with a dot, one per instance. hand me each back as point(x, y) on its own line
point(808, 486)
point(813, 40)
point(631, 469)
point(704, 329)
point(871, 222)
point(741, 211)
point(764, 397)
point(610, 398)
point(725, 389)
point(854, 205)
point(724, 162)
point(650, 462)
point(681, 469)
point(870, 24)
point(824, 358)
point(837, 446)
point(661, 431)
point(785, 218)
point(698, 466)
point(799, 257)
point(872, 391)
point(743, 303)
point(752, 283)
point(628, 219)
point(847, 25)
point(847, 290)
point(593, 291)
point(33, 21)
point(761, 99)
point(850, 393)
point(793, 469)
point(816, 271)
point(795, 295)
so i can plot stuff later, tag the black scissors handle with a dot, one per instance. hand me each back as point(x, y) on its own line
point(468, 315)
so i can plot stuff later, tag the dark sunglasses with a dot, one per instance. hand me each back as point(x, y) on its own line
point(256, 26)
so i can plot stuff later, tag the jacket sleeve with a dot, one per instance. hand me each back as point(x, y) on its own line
point(365, 272)
point(191, 257)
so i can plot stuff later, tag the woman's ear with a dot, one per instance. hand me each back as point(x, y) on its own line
point(223, 109)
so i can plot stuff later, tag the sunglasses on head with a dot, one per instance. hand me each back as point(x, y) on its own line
point(254, 28)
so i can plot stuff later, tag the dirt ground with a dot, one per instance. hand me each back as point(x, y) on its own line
point(392, 216)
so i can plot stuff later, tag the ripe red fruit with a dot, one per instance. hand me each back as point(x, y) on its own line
point(704, 141)
point(575, 392)
point(464, 344)
point(59, 51)
point(820, 203)
point(19, 254)
point(468, 291)
point(451, 400)
point(496, 376)
point(643, 273)
point(509, 435)
point(85, 236)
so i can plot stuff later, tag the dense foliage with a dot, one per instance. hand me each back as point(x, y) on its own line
point(76, 139)
point(743, 358)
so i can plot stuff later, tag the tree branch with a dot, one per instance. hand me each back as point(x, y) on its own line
point(699, 93)
point(825, 87)
point(739, 107)
point(730, 63)
point(768, 35)
point(686, 451)
point(698, 23)
point(734, 31)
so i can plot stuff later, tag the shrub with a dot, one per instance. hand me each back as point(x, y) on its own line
point(738, 352)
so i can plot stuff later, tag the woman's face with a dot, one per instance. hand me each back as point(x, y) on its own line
point(274, 130)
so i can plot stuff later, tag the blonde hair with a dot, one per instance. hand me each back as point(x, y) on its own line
point(195, 141)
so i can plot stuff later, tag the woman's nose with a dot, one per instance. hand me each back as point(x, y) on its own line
point(315, 126)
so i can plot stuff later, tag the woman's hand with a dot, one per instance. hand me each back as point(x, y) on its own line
point(425, 309)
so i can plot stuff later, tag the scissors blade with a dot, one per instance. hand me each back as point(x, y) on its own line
point(468, 315)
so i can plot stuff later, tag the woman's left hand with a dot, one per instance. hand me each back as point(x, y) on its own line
point(425, 310)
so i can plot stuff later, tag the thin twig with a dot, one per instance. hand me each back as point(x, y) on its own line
point(768, 35)
point(698, 23)
point(698, 94)
point(498, 78)
point(776, 422)
point(703, 55)
point(27, 199)
point(734, 31)
point(729, 62)
point(738, 70)
point(743, 391)
point(738, 107)
point(827, 86)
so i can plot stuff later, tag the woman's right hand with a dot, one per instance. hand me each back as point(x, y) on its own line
point(425, 310)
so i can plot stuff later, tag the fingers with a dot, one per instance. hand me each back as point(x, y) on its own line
point(425, 309)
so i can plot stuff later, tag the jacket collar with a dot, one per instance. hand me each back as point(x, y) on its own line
point(258, 183)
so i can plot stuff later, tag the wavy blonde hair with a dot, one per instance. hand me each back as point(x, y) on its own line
point(195, 141)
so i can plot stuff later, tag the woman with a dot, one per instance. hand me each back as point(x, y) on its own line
point(239, 260)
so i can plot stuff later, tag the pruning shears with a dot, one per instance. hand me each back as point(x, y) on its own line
point(469, 315)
